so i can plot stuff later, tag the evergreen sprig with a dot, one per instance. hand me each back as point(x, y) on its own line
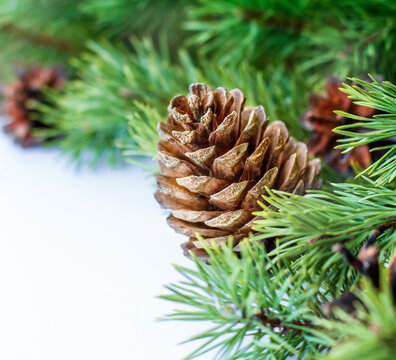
point(270, 308)
point(351, 37)
point(340, 38)
point(90, 113)
point(115, 84)
point(256, 30)
point(137, 17)
point(380, 129)
point(53, 31)
point(370, 332)
point(260, 309)
point(44, 31)
point(142, 130)
point(306, 227)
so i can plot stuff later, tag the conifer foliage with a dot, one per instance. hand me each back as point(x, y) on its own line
point(307, 62)
point(307, 231)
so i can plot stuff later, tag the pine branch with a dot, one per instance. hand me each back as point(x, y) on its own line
point(369, 333)
point(89, 119)
point(61, 19)
point(246, 29)
point(353, 38)
point(307, 226)
point(38, 39)
point(43, 31)
point(91, 112)
point(29, 27)
point(143, 131)
point(117, 18)
point(380, 129)
point(139, 85)
point(20, 53)
point(260, 309)
point(343, 38)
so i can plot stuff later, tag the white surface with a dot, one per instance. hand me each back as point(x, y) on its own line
point(82, 257)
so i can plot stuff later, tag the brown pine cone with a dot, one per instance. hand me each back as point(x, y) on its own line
point(216, 157)
point(26, 89)
point(321, 119)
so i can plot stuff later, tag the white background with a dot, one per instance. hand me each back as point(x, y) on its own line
point(82, 257)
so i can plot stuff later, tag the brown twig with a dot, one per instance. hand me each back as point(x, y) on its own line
point(278, 324)
point(39, 39)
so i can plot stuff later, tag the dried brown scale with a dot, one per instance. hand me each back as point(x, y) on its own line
point(216, 158)
point(28, 88)
point(321, 119)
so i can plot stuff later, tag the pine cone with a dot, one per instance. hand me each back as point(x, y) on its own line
point(321, 119)
point(216, 157)
point(28, 88)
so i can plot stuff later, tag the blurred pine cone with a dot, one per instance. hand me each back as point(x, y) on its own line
point(216, 157)
point(20, 95)
point(321, 119)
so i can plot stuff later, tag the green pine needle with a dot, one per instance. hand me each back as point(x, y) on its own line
point(380, 128)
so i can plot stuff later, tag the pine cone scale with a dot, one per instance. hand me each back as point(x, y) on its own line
point(195, 216)
point(230, 197)
point(191, 229)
